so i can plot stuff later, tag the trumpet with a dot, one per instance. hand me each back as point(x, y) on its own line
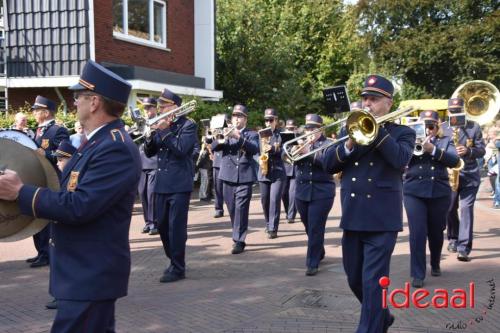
point(144, 126)
point(221, 134)
point(362, 127)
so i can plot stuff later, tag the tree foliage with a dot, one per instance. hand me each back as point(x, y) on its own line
point(433, 45)
point(283, 53)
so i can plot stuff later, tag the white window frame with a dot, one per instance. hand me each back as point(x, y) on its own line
point(141, 41)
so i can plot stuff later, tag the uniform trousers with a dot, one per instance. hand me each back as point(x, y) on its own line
point(366, 257)
point(84, 317)
point(146, 192)
point(172, 213)
point(426, 219)
point(460, 231)
point(237, 198)
point(205, 192)
point(289, 198)
point(219, 198)
point(270, 198)
point(41, 241)
point(314, 215)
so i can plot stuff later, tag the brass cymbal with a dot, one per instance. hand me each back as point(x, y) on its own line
point(33, 169)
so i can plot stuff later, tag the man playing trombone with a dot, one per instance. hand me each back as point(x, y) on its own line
point(271, 172)
point(371, 199)
point(173, 141)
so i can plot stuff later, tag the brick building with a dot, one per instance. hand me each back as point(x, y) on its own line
point(154, 44)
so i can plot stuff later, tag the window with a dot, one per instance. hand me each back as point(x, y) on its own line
point(141, 21)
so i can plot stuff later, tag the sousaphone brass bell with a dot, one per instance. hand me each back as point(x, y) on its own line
point(33, 169)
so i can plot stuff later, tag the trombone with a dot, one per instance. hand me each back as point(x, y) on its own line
point(362, 127)
point(144, 125)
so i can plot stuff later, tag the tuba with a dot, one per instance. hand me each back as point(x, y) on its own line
point(481, 104)
point(33, 169)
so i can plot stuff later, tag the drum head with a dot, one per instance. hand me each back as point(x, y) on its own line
point(19, 137)
point(33, 169)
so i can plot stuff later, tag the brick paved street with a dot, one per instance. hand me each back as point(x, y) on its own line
point(261, 290)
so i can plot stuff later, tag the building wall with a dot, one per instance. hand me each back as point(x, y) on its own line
point(19, 96)
point(180, 40)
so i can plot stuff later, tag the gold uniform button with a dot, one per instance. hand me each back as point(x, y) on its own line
point(368, 196)
point(353, 195)
point(356, 163)
point(310, 173)
point(369, 180)
point(371, 163)
point(310, 182)
point(419, 177)
point(432, 168)
point(420, 167)
point(353, 179)
point(432, 177)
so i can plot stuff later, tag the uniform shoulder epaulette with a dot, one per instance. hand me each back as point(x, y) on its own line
point(117, 135)
point(191, 120)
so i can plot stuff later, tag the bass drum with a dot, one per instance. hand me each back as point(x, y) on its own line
point(33, 169)
point(19, 137)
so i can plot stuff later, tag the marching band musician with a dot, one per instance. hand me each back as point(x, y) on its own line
point(173, 142)
point(271, 175)
point(427, 195)
point(314, 195)
point(371, 200)
point(48, 136)
point(290, 185)
point(470, 147)
point(148, 176)
point(93, 208)
point(218, 183)
point(237, 171)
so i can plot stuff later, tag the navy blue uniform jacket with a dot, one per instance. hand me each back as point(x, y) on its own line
point(237, 163)
point(470, 175)
point(427, 175)
point(312, 181)
point(174, 147)
point(51, 138)
point(90, 253)
point(275, 163)
point(371, 186)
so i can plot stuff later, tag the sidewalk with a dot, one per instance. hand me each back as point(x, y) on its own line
point(262, 290)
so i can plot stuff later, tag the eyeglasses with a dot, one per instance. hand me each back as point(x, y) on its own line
point(431, 127)
point(78, 94)
point(271, 120)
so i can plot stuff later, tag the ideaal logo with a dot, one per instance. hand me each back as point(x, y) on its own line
point(439, 299)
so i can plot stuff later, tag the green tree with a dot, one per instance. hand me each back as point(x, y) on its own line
point(433, 46)
point(283, 53)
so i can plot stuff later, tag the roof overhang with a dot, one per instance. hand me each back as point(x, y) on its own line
point(137, 85)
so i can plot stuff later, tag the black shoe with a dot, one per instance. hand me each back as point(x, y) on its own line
point(436, 271)
point(452, 247)
point(41, 261)
point(389, 323)
point(272, 234)
point(218, 214)
point(238, 248)
point(322, 256)
point(417, 283)
point(145, 230)
point(153, 232)
point(463, 256)
point(30, 260)
point(311, 271)
point(171, 277)
point(52, 305)
point(290, 221)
